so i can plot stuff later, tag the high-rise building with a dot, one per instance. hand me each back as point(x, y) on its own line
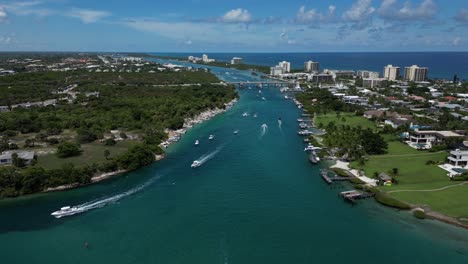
point(391, 72)
point(276, 70)
point(286, 66)
point(368, 74)
point(311, 66)
point(236, 60)
point(416, 74)
point(205, 58)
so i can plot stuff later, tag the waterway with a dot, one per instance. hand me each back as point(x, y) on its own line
point(255, 199)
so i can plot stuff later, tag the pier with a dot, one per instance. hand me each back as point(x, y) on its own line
point(353, 195)
point(330, 180)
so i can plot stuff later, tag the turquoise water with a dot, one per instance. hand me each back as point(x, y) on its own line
point(257, 200)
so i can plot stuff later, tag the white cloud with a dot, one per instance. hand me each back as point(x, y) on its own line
point(88, 15)
point(238, 15)
point(312, 16)
point(360, 14)
point(462, 16)
point(28, 8)
point(390, 10)
point(3, 14)
point(188, 42)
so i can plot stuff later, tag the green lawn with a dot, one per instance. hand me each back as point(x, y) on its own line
point(92, 153)
point(399, 148)
point(414, 174)
point(451, 202)
point(346, 119)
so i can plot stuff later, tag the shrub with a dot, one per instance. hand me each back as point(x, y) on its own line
point(110, 142)
point(68, 149)
point(419, 213)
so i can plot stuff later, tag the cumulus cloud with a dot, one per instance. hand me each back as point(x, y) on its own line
point(391, 10)
point(305, 16)
point(462, 16)
point(238, 15)
point(3, 14)
point(360, 14)
point(88, 15)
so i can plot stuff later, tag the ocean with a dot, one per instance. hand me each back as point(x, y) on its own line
point(441, 64)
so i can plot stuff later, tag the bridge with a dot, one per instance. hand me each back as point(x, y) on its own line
point(264, 83)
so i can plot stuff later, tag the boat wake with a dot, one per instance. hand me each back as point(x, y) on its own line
point(264, 130)
point(209, 156)
point(78, 209)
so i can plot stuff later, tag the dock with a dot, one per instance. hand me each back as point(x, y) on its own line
point(325, 176)
point(354, 195)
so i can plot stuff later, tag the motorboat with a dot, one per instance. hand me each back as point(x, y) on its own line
point(286, 97)
point(263, 98)
point(255, 115)
point(197, 142)
point(65, 211)
point(196, 164)
point(245, 114)
point(236, 132)
point(311, 147)
point(211, 137)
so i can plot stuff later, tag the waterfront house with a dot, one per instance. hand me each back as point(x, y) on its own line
point(384, 178)
point(458, 158)
point(426, 139)
point(6, 157)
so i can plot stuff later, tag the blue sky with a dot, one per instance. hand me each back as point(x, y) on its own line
point(236, 26)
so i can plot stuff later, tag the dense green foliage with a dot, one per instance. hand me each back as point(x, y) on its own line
point(34, 179)
point(322, 101)
point(353, 142)
point(68, 149)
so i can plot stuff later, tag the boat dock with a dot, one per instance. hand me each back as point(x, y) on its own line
point(325, 176)
point(354, 195)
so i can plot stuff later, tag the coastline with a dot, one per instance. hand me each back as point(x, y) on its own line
point(428, 212)
point(188, 123)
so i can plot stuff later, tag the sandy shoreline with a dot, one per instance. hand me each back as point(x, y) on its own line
point(188, 123)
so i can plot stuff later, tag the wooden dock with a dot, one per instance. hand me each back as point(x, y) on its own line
point(354, 195)
point(330, 180)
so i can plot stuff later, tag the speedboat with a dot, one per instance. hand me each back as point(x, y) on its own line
point(65, 211)
point(286, 97)
point(211, 137)
point(263, 98)
point(197, 142)
point(255, 115)
point(196, 163)
point(245, 114)
point(236, 132)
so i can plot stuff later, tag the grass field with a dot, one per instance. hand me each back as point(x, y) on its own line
point(346, 119)
point(414, 175)
point(92, 153)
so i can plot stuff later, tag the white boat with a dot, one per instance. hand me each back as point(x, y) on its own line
point(263, 98)
point(197, 142)
point(255, 115)
point(311, 147)
point(245, 114)
point(236, 132)
point(286, 97)
point(196, 163)
point(211, 137)
point(65, 211)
